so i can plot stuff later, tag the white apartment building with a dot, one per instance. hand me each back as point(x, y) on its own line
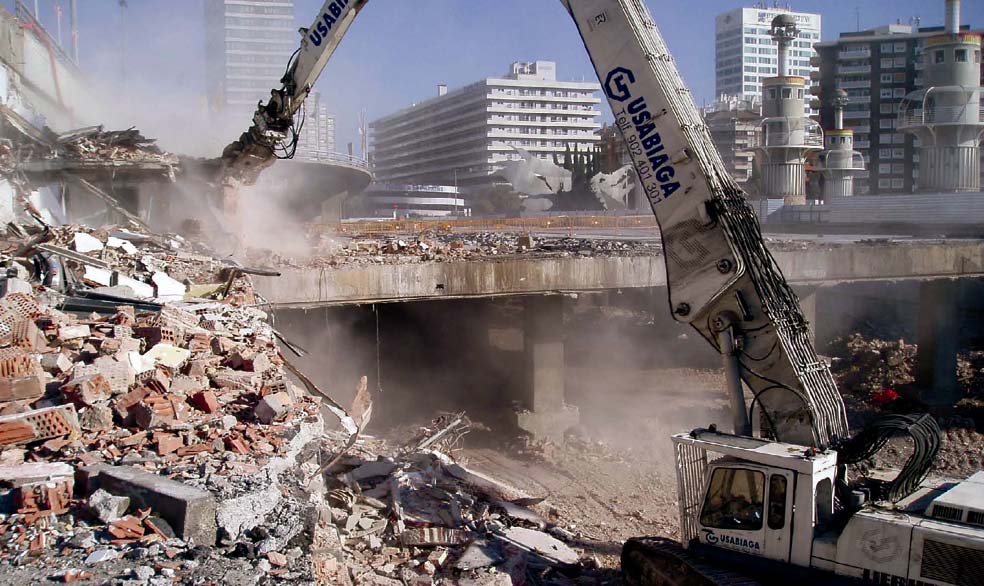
point(745, 54)
point(462, 137)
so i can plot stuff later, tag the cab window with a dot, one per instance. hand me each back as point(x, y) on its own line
point(735, 500)
point(777, 501)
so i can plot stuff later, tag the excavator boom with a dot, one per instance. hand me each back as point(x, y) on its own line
point(722, 280)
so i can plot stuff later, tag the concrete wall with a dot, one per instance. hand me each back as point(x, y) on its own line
point(380, 283)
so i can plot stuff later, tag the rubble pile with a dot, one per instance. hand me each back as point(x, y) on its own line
point(149, 434)
point(439, 247)
point(970, 371)
point(96, 143)
point(417, 517)
point(866, 366)
point(144, 404)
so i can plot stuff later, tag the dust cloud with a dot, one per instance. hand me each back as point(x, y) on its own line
point(635, 377)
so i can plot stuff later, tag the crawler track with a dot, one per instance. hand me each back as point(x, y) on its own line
point(654, 561)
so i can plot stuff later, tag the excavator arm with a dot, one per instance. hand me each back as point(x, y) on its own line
point(722, 279)
point(273, 127)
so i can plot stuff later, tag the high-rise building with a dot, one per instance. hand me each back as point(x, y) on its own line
point(462, 137)
point(317, 139)
point(735, 124)
point(877, 68)
point(745, 54)
point(248, 44)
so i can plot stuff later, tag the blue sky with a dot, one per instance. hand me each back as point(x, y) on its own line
point(399, 50)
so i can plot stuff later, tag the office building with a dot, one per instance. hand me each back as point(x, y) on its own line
point(317, 139)
point(745, 53)
point(734, 124)
point(877, 68)
point(463, 136)
point(248, 43)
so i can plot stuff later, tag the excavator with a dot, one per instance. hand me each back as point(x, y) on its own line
point(773, 499)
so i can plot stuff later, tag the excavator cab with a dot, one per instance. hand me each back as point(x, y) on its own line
point(751, 496)
point(747, 507)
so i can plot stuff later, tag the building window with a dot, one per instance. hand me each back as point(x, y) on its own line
point(772, 93)
point(977, 56)
point(886, 78)
point(960, 55)
point(787, 93)
point(939, 56)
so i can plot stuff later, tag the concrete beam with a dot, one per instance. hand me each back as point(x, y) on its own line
point(532, 275)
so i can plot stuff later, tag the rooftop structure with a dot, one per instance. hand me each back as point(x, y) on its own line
point(463, 137)
point(877, 68)
point(787, 135)
point(946, 115)
point(746, 54)
point(839, 162)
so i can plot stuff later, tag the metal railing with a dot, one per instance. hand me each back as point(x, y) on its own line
point(789, 133)
point(924, 107)
point(330, 157)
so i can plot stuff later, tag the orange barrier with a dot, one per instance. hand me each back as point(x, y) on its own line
point(558, 223)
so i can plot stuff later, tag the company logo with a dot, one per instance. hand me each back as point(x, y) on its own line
point(319, 32)
point(738, 542)
point(617, 84)
point(880, 547)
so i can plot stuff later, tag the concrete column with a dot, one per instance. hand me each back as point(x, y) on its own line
point(938, 339)
point(547, 416)
point(808, 303)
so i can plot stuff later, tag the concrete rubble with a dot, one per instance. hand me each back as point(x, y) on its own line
point(443, 247)
point(152, 432)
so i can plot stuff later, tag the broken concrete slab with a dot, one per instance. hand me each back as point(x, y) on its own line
point(480, 554)
point(272, 407)
point(107, 507)
point(371, 470)
point(541, 544)
point(15, 475)
point(189, 510)
point(83, 242)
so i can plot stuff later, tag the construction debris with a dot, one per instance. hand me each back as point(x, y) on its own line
point(439, 247)
point(139, 422)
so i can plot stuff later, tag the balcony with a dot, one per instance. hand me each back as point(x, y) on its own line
point(853, 69)
point(864, 53)
point(853, 85)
